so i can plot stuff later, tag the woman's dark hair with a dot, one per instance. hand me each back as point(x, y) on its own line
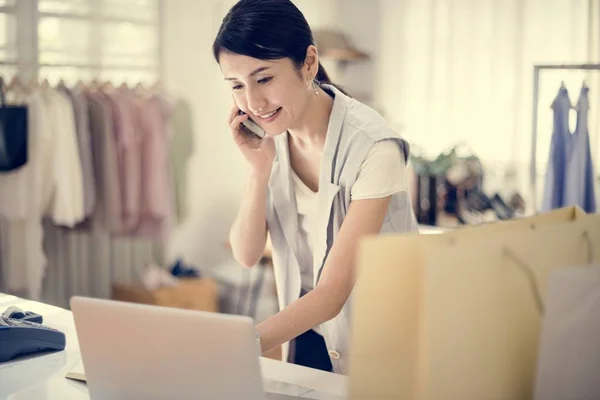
point(267, 30)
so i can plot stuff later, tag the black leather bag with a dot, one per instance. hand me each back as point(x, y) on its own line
point(13, 135)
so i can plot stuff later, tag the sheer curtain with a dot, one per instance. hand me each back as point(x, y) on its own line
point(455, 71)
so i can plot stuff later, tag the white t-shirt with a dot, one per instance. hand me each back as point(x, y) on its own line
point(383, 173)
point(66, 207)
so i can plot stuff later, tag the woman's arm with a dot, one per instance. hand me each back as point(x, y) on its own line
point(248, 234)
point(364, 217)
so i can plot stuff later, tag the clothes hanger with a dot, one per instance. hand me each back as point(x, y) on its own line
point(93, 85)
point(142, 91)
point(563, 88)
point(16, 88)
point(562, 91)
point(33, 84)
point(45, 84)
point(157, 86)
point(16, 84)
point(107, 86)
point(79, 85)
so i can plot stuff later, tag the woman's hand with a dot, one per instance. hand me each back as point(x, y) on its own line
point(259, 153)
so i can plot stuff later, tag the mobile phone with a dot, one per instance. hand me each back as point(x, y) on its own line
point(252, 127)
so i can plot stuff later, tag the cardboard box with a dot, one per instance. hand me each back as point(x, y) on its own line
point(192, 294)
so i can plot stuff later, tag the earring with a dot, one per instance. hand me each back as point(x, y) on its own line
point(315, 86)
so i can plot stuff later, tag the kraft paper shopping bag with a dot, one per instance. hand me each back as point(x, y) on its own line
point(565, 214)
point(458, 315)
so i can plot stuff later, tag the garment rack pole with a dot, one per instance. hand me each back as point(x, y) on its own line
point(85, 66)
point(536, 87)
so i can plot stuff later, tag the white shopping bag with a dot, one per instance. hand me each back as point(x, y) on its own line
point(569, 358)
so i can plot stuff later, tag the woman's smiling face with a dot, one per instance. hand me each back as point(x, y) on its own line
point(271, 92)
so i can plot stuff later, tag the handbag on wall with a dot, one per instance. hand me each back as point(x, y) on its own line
point(13, 134)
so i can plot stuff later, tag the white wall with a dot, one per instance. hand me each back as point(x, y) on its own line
point(217, 170)
point(462, 71)
point(360, 21)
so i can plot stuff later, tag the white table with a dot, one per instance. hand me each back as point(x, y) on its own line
point(43, 376)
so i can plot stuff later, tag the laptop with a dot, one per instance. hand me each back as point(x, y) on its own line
point(137, 351)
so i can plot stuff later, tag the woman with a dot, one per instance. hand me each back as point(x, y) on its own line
point(329, 172)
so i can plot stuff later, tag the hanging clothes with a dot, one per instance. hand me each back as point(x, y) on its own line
point(67, 202)
point(182, 148)
point(156, 205)
point(82, 128)
point(51, 184)
point(579, 181)
point(107, 215)
point(14, 180)
point(24, 196)
point(128, 157)
point(556, 172)
point(97, 160)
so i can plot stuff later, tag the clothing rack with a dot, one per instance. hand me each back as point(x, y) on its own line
point(536, 87)
point(86, 261)
point(83, 66)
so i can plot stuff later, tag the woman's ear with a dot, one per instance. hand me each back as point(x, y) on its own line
point(311, 62)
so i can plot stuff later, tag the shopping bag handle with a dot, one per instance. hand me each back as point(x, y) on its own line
point(535, 290)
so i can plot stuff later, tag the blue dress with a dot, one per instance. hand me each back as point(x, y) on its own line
point(579, 184)
point(556, 172)
point(570, 173)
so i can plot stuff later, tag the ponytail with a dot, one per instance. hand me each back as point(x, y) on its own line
point(323, 77)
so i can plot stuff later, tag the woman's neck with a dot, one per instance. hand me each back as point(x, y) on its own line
point(311, 129)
